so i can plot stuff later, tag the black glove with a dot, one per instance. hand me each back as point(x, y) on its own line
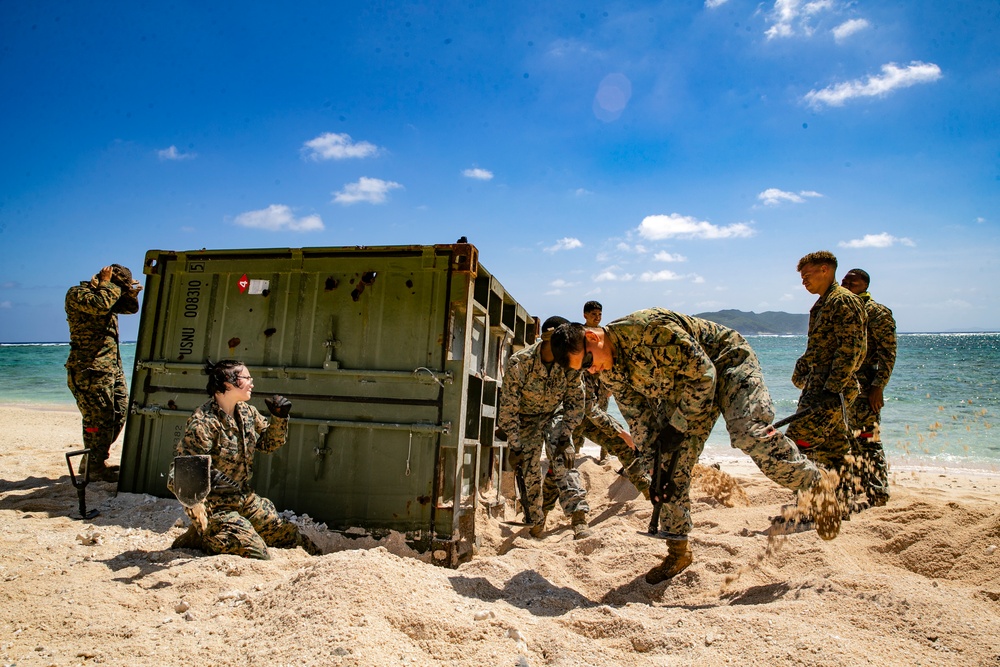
point(669, 440)
point(278, 405)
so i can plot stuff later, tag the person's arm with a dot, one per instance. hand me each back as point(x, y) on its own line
point(98, 300)
point(573, 404)
point(199, 436)
point(128, 302)
point(883, 334)
point(510, 403)
point(272, 431)
point(849, 320)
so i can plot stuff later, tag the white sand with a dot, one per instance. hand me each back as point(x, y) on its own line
point(914, 582)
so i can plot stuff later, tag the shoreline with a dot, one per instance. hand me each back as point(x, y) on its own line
point(731, 460)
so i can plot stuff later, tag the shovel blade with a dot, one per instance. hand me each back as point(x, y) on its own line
point(192, 478)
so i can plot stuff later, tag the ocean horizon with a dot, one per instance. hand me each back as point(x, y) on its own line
point(941, 402)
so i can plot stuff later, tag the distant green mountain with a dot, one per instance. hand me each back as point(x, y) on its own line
point(771, 322)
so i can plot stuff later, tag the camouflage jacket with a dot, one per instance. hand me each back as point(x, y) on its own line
point(231, 442)
point(881, 344)
point(532, 388)
point(662, 369)
point(836, 345)
point(92, 315)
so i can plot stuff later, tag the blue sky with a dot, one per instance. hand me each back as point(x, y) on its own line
point(676, 154)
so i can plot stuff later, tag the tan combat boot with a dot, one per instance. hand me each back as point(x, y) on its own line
point(679, 556)
point(538, 529)
point(580, 528)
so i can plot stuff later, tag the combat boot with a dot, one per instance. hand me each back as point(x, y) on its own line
point(538, 529)
point(580, 528)
point(189, 539)
point(679, 556)
point(102, 473)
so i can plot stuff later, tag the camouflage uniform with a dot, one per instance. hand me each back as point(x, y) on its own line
point(874, 372)
point(239, 521)
point(530, 414)
point(599, 426)
point(833, 354)
point(685, 371)
point(94, 369)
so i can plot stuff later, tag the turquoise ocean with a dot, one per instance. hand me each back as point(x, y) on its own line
point(941, 404)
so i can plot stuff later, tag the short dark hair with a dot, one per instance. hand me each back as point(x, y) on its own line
point(220, 373)
point(818, 257)
point(553, 322)
point(593, 305)
point(566, 340)
point(861, 273)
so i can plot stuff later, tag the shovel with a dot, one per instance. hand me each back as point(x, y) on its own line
point(192, 478)
point(81, 483)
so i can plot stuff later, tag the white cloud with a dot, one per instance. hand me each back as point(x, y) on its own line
point(712, 4)
point(6, 305)
point(173, 154)
point(669, 257)
point(790, 17)
point(371, 190)
point(980, 220)
point(558, 287)
point(659, 276)
point(659, 227)
point(883, 240)
point(893, 77)
point(332, 146)
point(637, 249)
point(478, 174)
point(848, 28)
point(774, 196)
point(582, 192)
point(278, 218)
point(567, 243)
point(613, 273)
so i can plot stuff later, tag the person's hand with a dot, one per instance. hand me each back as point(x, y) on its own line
point(278, 405)
point(875, 399)
point(135, 288)
point(670, 439)
point(105, 274)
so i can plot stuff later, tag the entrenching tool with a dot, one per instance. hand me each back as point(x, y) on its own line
point(192, 478)
point(81, 484)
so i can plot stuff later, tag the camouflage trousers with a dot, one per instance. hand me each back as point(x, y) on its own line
point(825, 437)
point(611, 442)
point(746, 406)
point(102, 399)
point(245, 525)
point(744, 402)
point(873, 468)
point(535, 433)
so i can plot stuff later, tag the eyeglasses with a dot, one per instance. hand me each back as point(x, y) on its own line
point(588, 358)
point(244, 377)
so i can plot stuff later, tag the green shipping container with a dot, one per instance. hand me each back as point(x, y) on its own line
point(390, 355)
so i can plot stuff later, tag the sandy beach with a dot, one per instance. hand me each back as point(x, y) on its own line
point(916, 582)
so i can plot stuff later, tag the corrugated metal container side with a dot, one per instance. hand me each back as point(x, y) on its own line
point(390, 355)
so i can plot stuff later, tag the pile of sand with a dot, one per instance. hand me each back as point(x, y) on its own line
point(914, 582)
